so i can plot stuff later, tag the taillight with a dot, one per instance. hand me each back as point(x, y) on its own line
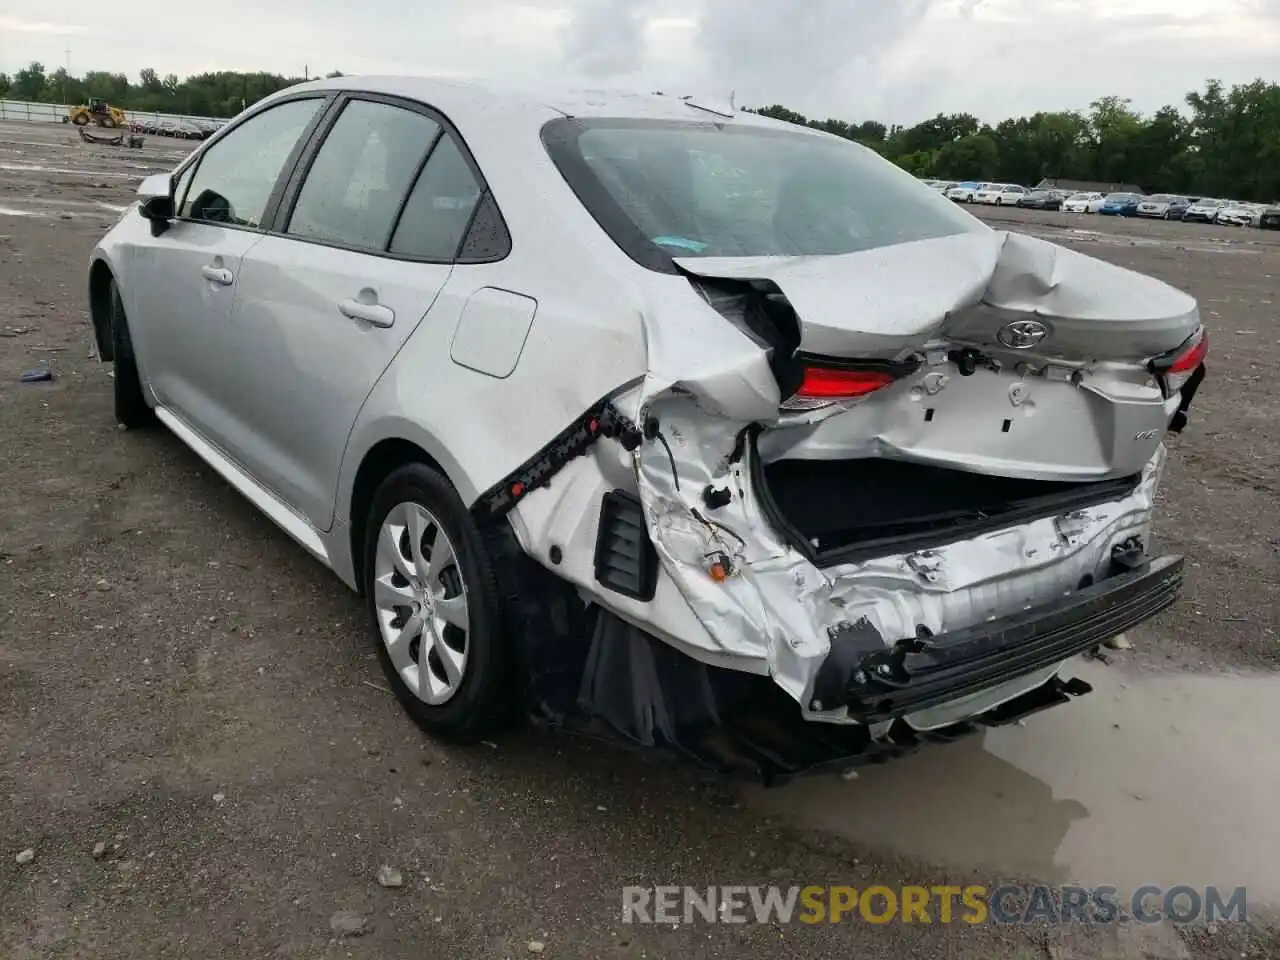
point(1177, 368)
point(822, 385)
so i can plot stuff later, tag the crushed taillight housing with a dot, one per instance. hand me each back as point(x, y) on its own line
point(823, 382)
point(1174, 369)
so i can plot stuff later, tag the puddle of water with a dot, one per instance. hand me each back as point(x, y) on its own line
point(1170, 780)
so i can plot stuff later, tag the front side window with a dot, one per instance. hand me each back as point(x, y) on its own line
point(183, 181)
point(701, 189)
point(361, 175)
point(236, 175)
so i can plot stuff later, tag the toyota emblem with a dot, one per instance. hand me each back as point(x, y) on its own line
point(1022, 334)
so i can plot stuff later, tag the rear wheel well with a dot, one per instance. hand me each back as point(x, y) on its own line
point(383, 458)
point(100, 278)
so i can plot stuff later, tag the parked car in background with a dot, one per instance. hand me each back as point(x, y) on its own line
point(1270, 218)
point(1204, 210)
point(1178, 207)
point(346, 335)
point(1000, 194)
point(1156, 205)
point(963, 192)
point(1043, 199)
point(1240, 214)
point(1010, 195)
point(1120, 205)
point(1083, 203)
point(942, 186)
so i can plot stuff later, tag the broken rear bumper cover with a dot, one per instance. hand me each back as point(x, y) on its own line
point(925, 672)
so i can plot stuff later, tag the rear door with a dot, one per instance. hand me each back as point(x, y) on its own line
point(362, 245)
point(182, 283)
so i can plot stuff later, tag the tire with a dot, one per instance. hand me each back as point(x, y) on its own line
point(481, 698)
point(80, 119)
point(132, 409)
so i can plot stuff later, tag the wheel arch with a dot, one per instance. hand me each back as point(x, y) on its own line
point(378, 462)
point(100, 277)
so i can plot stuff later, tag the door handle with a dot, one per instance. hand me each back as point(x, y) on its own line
point(374, 314)
point(219, 275)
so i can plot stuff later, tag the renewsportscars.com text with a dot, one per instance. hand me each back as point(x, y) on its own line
point(1010, 904)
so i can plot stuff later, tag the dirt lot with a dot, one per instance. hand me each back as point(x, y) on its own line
point(182, 685)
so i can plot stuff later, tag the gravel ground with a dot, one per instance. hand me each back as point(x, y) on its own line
point(183, 689)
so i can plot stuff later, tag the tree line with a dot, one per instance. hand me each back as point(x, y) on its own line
point(222, 94)
point(1225, 143)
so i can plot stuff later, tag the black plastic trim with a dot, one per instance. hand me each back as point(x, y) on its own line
point(1178, 422)
point(917, 674)
point(1104, 491)
point(601, 420)
point(619, 509)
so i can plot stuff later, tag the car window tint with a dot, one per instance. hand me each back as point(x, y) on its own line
point(361, 174)
point(699, 189)
point(440, 206)
point(235, 177)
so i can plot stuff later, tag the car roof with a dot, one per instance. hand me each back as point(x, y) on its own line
point(463, 98)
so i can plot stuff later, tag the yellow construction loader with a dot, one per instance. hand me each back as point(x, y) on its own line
point(99, 111)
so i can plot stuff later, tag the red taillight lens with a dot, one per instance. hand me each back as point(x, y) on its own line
point(822, 386)
point(1192, 357)
point(1178, 370)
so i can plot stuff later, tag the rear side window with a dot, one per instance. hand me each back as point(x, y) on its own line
point(236, 176)
point(361, 174)
point(440, 208)
point(670, 189)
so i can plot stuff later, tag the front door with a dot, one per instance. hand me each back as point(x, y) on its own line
point(185, 281)
point(327, 302)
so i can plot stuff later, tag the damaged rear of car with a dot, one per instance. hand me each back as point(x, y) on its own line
point(899, 463)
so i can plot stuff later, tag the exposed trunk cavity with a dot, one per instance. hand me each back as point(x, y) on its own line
point(838, 511)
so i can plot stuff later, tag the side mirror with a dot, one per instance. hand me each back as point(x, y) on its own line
point(157, 208)
point(156, 196)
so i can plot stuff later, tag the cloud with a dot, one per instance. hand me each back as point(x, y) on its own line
point(898, 61)
point(15, 25)
point(780, 50)
point(606, 38)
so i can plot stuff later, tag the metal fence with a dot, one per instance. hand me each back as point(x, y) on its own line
point(55, 113)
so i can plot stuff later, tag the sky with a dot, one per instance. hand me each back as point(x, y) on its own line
point(898, 61)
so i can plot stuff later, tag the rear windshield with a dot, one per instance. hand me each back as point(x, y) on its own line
point(665, 189)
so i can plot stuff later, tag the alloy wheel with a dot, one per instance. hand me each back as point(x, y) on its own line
point(421, 602)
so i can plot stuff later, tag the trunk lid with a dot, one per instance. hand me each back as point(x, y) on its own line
point(967, 289)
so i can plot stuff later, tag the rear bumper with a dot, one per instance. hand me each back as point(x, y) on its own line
point(918, 674)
